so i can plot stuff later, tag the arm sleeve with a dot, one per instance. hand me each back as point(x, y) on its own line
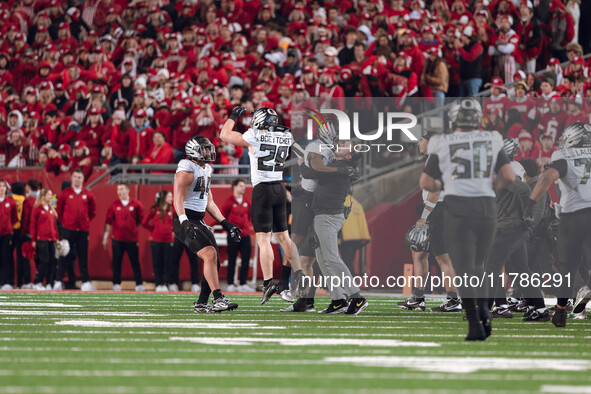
point(110, 216)
point(432, 166)
point(560, 166)
point(140, 213)
point(147, 222)
point(61, 201)
point(502, 159)
point(225, 209)
point(33, 224)
point(475, 51)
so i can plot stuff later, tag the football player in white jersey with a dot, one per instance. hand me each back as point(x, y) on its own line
point(192, 198)
point(268, 146)
point(432, 210)
point(571, 167)
point(462, 163)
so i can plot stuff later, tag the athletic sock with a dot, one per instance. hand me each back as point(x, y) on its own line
point(500, 301)
point(217, 294)
point(469, 305)
point(284, 281)
point(419, 292)
point(203, 298)
point(266, 282)
point(309, 301)
point(452, 295)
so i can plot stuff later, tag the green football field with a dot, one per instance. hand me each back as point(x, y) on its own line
point(154, 343)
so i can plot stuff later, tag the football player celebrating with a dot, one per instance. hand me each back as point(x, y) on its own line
point(268, 146)
point(464, 162)
point(192, 197)
point(432, 216)
point(571, 166)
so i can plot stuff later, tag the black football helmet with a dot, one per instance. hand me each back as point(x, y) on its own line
point(264, 118)
point(466, 114)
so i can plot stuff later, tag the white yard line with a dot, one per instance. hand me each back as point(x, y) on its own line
point(101, 323)
point(304, 341)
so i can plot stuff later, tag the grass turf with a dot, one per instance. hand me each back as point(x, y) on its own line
point(154, 343)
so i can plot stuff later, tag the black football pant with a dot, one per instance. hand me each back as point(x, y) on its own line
point(468, 241)
point(78, 248)
point(244, 247)
point(574, 243)
point(161, 252)
point(509, 250)
point(119, 249)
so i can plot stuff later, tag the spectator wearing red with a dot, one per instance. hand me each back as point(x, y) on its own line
point(120, 134)
point(183, 125)
point(158, 222)
point(62, 132)
point(44, 235)
point(161, 151)
point(523, 104)
point(237, 207)
point(92, 133)
point(76, 207)
point(123, 218)
point(140, 141)
point(526, 146)
point(6, 76)
point(8, 218)
point(471, 53)
point(16, 148)
point(54, 163)
point(498, 99)
point(505, 51)
point(81, 158)
point(542, 154)
point(575, 114)
point(552, 123)
point(529, 31)
point(32, 188)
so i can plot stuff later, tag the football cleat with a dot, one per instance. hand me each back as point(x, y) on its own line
point(268, 291)
point(578, 316)
point(301, 305)
point(298, 285)
point(286, 296)
point(449, 305)
point(203, 308)
point(223, 304)
point(559, 317)
point(476, 332)
point(336, 306)
point(583, 297)
point(502, 312)
point(413, 303)
point(536, 315)
point(517, 305)
point(356, 306)
point(569, 307)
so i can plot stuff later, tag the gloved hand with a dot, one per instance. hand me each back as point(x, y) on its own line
point(232, 229)
point(351, 172)
point(237, 112)
point(189, 229)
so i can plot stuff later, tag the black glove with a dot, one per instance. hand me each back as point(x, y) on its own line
point(351, 172)
point(232, 229)
point(189, 229)
point(237, 112)
point(528, 213)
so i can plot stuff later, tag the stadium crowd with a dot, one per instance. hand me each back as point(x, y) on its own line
point(102, 82)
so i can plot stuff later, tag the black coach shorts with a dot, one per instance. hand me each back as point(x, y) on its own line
point(436, 238)
point(205, 236)
point(268, 210)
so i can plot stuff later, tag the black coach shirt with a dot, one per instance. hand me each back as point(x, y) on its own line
point(332, 190)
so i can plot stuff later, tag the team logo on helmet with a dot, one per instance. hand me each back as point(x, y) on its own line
point(577, 134)
point(417, 238)
point(465, 114)
point(511, 147)
point(264, 118)
point(199, 148)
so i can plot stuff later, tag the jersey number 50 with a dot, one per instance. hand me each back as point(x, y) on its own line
point(479, 149)
point(278, 154)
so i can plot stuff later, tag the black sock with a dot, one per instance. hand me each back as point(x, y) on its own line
point(452, 295)
point(284, 281)
point(469, 305)
point(203, 298)
point(309, 301)
point(419, 292)
point(266, 282)
point(217, 294)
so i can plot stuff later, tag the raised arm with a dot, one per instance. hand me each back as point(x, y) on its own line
point(228, 134)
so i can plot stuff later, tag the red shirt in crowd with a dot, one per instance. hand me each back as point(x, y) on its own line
point(159, 224)
point(125, 219)
point(238, 213)
point(76, 210)
point(8, 215)
point(43, 224)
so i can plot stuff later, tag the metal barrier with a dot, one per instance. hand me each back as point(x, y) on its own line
point(155, 174)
